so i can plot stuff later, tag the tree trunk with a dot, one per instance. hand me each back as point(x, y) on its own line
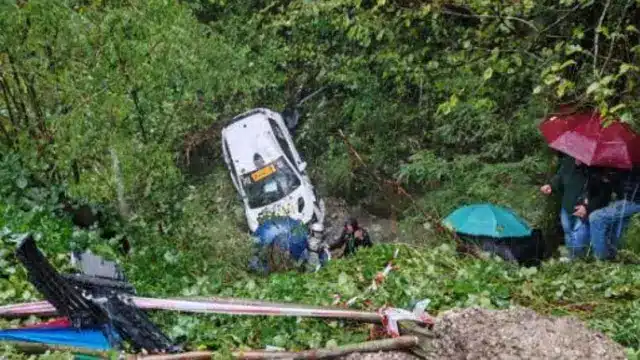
point(6, 135)
point(19, 104)
point(37, 110)
point(399, 343)
point(10, 99)
point(7, 101)
point(141, 114)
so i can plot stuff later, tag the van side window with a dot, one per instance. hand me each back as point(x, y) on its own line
point(282, 140)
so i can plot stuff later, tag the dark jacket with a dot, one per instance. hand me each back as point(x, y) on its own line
point(626, 185)
point(598, 190)
point(577, 183)
point(351, 242)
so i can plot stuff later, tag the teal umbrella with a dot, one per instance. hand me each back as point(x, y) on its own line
point(487, 220)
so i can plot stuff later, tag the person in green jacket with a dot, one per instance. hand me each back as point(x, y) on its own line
point(577, 183)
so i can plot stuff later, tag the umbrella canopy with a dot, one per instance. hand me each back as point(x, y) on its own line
point(583, 137)
point(487, 220)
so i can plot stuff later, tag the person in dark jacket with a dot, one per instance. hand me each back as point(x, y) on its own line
point(583, 190)
point(352, 237)
point(596, 195)
point(609, 223)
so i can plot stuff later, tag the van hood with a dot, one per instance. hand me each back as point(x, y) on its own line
point(287, 206)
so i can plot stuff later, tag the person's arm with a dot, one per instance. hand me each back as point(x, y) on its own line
point(588, 197)
point(555, 179)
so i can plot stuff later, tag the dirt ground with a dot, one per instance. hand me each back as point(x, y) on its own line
point(382, 355)
point(517, 333)
point(380, 229)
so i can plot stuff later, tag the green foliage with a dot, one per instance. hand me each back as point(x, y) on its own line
point(451, 80)
point(122, 77)
point(11, 353)
point(466, 179)
point(196, 238)
point(186, 259)
point(631, 238)
point(443, 97)
point(604, 294)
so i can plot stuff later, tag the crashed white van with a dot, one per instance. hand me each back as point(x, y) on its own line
point(267, 170)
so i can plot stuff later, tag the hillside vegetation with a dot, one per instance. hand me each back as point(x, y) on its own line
point(117, 104)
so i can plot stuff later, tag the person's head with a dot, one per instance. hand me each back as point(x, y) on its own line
point(351, 225)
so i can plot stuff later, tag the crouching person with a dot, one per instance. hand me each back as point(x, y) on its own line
point(352, 237)
point(609, 223)
point(316, 246)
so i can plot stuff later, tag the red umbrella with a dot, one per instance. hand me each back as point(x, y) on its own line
point(583, 137)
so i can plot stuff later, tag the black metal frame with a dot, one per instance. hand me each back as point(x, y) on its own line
point(91, 302)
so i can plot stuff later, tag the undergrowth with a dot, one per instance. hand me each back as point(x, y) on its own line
point(192, 247)
point(603, 294)
point(450, 113)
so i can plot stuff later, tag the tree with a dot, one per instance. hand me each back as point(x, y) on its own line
point(132, 78)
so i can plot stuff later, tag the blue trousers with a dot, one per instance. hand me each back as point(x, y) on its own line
point(576, 234)
point(608, 225)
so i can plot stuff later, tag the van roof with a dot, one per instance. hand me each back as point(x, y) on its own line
point(248, 136)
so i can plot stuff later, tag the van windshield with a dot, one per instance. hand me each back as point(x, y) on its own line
point(270, 183)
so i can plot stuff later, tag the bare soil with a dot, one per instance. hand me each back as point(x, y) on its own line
point(391, 355)
point(517, 333)
point(380, 229)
